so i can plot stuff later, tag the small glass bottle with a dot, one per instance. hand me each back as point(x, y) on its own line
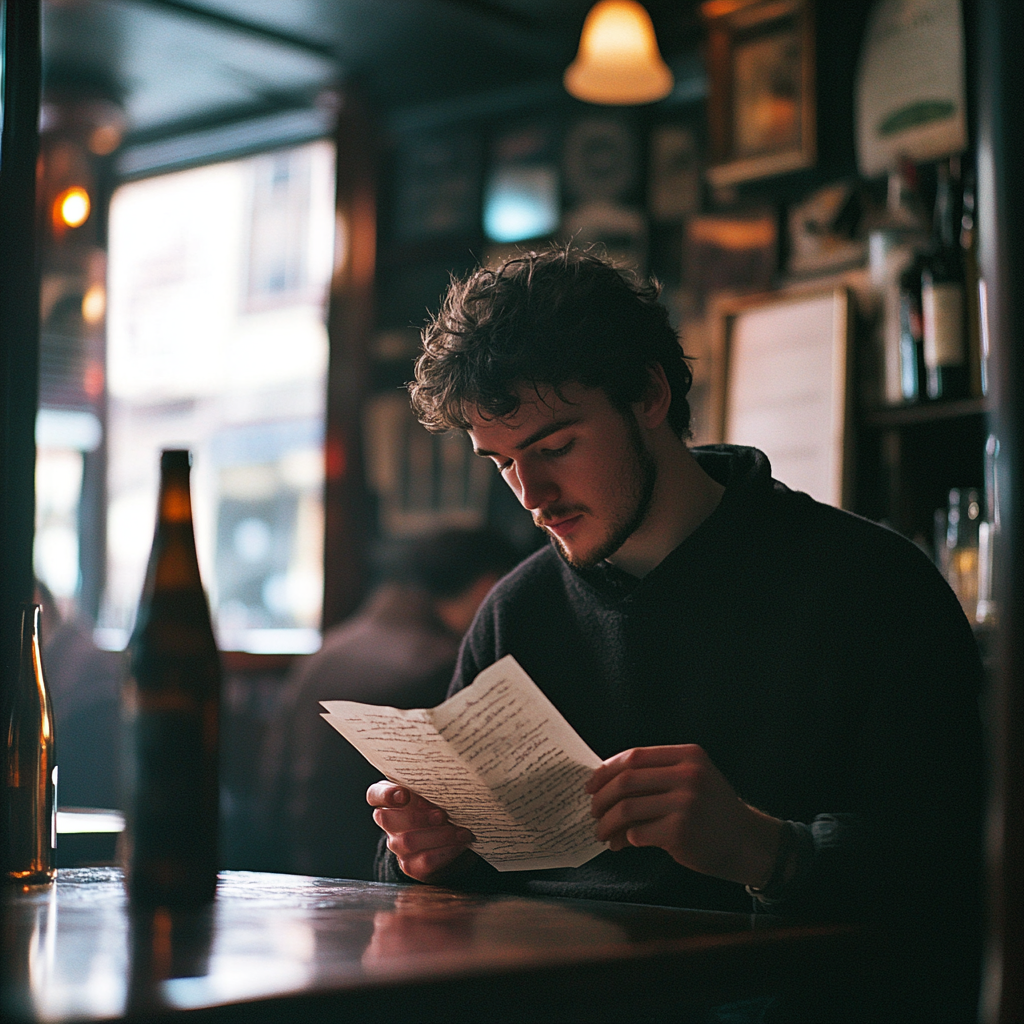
point(30, 791)
point(963, 520)
point(171, 708)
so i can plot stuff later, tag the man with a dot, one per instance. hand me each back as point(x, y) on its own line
point(85, 689)
point(785, 695)
point(399, 649)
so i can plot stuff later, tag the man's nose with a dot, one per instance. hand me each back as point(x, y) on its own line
point(534, 488)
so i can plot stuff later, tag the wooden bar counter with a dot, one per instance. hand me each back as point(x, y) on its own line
point(288, 947)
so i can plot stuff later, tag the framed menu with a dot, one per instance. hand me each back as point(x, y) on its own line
point(782, 384)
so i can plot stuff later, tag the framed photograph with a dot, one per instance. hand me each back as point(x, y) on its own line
point(761, 108)
point(782, 383)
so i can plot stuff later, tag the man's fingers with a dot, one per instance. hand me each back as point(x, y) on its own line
point(640, 782)
point(642, 757)
point(424, 853)
point(414, 841)
point(633, 811)
point(431, 864)
point(387, 794)
point(403, 819)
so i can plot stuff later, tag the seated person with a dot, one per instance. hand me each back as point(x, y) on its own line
point(85, 688)
point(399, 649)
point(785, 695)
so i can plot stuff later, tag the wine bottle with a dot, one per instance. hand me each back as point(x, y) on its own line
point(942, 300)
point(171, 708)
point(912, 368)
point(30, 791)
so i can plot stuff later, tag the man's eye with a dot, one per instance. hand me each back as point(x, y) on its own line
point(502, 464)
point(554, 453)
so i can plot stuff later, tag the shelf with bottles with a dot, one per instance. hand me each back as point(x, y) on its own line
point(888, 416)
point(908, 460)
point(932, 348)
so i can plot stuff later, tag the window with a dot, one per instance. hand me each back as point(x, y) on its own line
point(217, 342)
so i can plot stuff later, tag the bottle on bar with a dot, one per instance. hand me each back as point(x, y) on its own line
point(30, 791)
point(942, 299)
point(171, 709)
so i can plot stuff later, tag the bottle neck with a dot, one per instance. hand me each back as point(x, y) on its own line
point(175, 504)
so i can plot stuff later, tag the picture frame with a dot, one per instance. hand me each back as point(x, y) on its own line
point(782, 382)
point(761, 102)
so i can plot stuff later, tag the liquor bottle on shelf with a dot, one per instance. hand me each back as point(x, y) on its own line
point(171, 708)
point(912, 369)
point(942, 299)
point(30, 790)
point(894, 244)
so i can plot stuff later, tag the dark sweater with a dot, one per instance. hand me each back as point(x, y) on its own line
point(819, 659)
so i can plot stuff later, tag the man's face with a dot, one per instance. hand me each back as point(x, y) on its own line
point(576, 463)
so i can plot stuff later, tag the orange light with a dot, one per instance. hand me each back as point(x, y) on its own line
point(72, 207)
point(618, 62)
point(94, 304)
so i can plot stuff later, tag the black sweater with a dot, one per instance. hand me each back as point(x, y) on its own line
point(819, 659)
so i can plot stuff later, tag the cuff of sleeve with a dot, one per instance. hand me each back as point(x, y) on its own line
point(795, 856)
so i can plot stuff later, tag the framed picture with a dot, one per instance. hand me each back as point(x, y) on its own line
point(761, 108)
point(781, 383)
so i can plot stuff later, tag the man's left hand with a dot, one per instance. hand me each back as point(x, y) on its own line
point(673, 797)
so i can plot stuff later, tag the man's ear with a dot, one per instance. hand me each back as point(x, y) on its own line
point(652, 410)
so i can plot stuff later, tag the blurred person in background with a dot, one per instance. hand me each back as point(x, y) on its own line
point(84, 683)
point(399, 649)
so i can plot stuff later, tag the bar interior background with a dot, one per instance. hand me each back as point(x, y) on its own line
point(433, 109)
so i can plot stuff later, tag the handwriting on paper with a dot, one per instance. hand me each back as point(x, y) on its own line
point(498, 757)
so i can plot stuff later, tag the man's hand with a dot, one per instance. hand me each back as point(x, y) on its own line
point(419, 832)
point(675, 798)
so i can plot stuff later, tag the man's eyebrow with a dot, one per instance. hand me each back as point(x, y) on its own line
point(537, 435)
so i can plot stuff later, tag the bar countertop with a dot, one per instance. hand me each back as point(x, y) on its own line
point(289, 947)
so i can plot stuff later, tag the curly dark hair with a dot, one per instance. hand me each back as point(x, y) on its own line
point(546, 319)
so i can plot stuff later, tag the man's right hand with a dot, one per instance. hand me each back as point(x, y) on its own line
point(420, 835)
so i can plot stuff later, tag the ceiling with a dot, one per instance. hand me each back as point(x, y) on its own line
point(182, 67)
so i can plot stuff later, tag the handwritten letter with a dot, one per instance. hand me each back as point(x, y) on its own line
point(498, 757)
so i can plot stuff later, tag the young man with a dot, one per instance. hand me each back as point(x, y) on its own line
point(785, 694)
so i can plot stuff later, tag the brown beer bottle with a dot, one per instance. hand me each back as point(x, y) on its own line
point(30, 791)
point(171, 708)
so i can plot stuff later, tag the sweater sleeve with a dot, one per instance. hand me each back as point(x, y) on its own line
point(909, 845)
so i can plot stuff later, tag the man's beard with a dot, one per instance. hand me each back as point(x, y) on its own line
point(646, 470)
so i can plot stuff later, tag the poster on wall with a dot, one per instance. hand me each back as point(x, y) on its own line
point(910, 84)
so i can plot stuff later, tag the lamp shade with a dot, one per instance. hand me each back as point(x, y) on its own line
point(618, 62)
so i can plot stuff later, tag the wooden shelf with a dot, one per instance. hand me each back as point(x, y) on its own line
point(925, 412)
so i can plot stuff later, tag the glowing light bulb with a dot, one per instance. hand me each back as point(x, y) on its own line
point(618, 62)
point(72, 207)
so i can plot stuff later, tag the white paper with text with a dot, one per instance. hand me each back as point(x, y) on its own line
point(498, 757)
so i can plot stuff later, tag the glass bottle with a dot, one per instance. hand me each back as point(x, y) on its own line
point(912, 368)
point(963, 522)
point(30, 791)
point(171, 709)
point(893, 246)
point(942, 300)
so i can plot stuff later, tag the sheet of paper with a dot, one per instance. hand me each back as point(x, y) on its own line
point(498, 757)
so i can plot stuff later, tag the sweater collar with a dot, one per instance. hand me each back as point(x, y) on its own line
point(747, 477)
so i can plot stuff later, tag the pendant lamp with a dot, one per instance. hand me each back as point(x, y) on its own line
point(618, 62)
